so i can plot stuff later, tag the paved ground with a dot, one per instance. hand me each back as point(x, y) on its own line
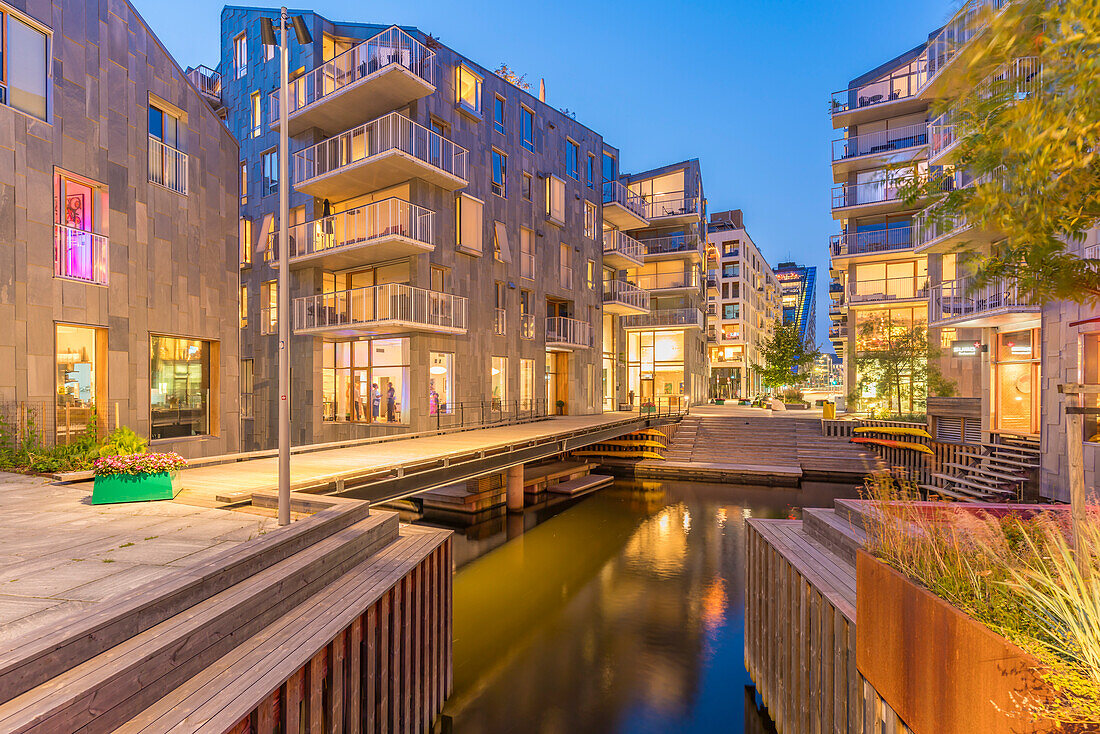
point(744, 411)
point(61, 554)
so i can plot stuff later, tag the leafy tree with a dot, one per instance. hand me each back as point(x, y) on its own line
point(512, 77)
point(785, 354)
point(899, 361)
point(1028, 130)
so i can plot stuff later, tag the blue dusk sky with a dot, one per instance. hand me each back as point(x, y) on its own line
point(743, 86)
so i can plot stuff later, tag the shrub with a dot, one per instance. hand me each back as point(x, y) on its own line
point(122, 441)
point(793, 395)
point(139, 464)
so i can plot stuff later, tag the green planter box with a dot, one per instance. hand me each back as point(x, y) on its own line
point(132, 488)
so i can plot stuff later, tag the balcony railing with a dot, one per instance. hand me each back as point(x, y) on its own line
point(80, 255)
point(966, 24)
point(884, 141)
point(500, 322)
point(567, 331)
point(888, 289)
point(959, 299)
point(392, 132)
point(871, 192)
point(672, 244)
point(615, 192)
point(615, 241)
point(167, 166)
point(527, 326)
point(392, 46)
point(624, 292)
point(900, 85)
point(838, 332)
point(207, 81)
point(870, 241)
point(379, 305)
point(669, 317)
point(930, 226)
point(391, 217)
point(661, 281)
point(671, 204)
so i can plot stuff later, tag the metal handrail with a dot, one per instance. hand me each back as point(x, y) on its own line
point(670, 204)
point(615, 192)
point(485, 412)
point(894, 87)
point(615, 240)
point(869, 241)
point(624, 292)
point(167, 166)
point(954, 36)
point(564, 330)
point(671, 244)
point(377, 304)
point(959, 298)
point(208, 81)
point(500, 322)
point(658, 281)
point(665, 317)
point(391, 46)
point(888, 289)
point(80, 255)
point(391, 217)
point(881, 141)
point(390, 132)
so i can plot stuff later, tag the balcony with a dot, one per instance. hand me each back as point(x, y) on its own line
point(381, 153)
point(565, 334)
point(939, 233)
point(380, 309)
point(665, 319)
point(625, 299)
point(961, 304)
point(689, 281)
point(885, 290)
point(621, 250)
point(167, 166)
point(893, 95)
point(872, 197)
point(385, 230)
point(837, 333)
point(672, 208)
point(968, 22)
point(383, 73)
point(80, 255)
point(208, 82)
point(622, 207)
point(674, 246)
point(885, 147)
point(868, 242)
point(712, 280)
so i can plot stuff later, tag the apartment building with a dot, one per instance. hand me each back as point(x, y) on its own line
point(118, 290)
point(798, 298)
point(445, 235)
point(655, 355)
point(742, 307)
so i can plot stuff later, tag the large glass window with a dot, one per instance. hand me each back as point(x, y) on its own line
point(499, 378)
point(179, 394)
point(526, 383)
point(1016, 382)
point(269, 164)
point(366, 381)
point(80, 380)
point(440, 382)
point(1090, 375)
point(655, 366)
point(469, 89)
point(24, 66)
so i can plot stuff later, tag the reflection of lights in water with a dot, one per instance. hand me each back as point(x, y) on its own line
point(721, 517)
point(746, 513)
point(687, 520)
point(663, 523)
point(714, 605)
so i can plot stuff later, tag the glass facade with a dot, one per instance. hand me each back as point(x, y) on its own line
point(440, 383)
point(655, 365)
point(1016, 382)
point(499, 378)
point(526, 382)
point(366, 381)
point(179, 395)
point(79, 379)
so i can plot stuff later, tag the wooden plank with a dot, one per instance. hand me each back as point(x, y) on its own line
point(354, 702)
point(840, 674)
point(827, 658)
point(385, 654)
point(337, 677)
point(804, 683)
point(295, 689)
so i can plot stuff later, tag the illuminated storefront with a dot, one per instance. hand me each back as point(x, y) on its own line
point(655, 365)
point(1016, 382)
point(179, 402)
point(367, 381)
point(81, 382)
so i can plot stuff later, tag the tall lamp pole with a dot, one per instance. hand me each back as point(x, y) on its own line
point(283, 305)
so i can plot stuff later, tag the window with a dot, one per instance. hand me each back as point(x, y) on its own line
point(526, 318)
point(247, 387)
point(525, 189)
point(167, 165)
point(526, 254)
point(590, 274)
point(500, 172)
point(179, 392)
point(24, 67)
point(469, 225)
point(80, 248)
point(440, 382)
point(499, 377)
point(244, 237)
point(438, 278)
point(731, 311)
point(731, 270)
point(366, 381)
point(590, 171)
point(81, 377)
point(257, 119)
point(498, 114)
point(240, 55)
point(609, 172)
point(1089, 374)
point(500, 322)
point(244, 182)
point(527, 128)
point(565, 275)
point(269, 307)
point(572, 153)
point(269, 164)
point(244, 306)
point(269, 51)
point(1016, 381)
point(469, 89)
point(526, 383)
point(591, 221)
point(555, 199)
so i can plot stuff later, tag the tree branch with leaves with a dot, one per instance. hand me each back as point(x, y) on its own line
point(785, 355)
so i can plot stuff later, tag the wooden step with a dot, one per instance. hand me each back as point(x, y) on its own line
point(582, 485)
point(834, 532)
point(961, 484)
point(1012, 448)
point(985, 470)
point(1010, 463)
point(960, 496)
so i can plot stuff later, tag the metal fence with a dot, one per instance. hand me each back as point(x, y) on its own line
point(167, 166)
point(372, 305)
point(38, 424)
point(390, 217)
point(473, 413)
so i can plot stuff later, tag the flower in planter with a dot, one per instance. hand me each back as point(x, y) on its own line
point(139, 464)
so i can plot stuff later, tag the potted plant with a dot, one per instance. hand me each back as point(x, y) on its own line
point(647, 406)
point(136, 477)
point(560, 405)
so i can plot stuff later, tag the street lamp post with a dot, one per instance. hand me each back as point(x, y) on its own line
point(283, 286)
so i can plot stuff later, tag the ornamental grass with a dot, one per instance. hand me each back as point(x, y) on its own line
point(1017, 573)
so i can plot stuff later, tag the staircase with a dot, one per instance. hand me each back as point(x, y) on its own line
point(998, 473)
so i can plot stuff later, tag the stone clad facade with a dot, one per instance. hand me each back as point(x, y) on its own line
point(114, 257)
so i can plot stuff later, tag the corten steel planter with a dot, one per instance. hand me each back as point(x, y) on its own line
point(146, 487)
point(938, 668)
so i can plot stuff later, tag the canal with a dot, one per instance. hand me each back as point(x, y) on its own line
point(622, 611)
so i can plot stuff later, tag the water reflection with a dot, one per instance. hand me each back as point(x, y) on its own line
point(620, 612)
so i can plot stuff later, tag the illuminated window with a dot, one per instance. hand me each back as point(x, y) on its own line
point(591, 221)
point(555, 199)
point(367, 381)
point(470, 227)
point(179, 393)
point(469, 89)
point(499, 380)
point(257, 121)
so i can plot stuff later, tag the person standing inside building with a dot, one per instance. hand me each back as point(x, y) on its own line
point(391, 405)
point(375, 400)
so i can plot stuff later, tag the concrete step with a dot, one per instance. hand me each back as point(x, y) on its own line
point(834, 532)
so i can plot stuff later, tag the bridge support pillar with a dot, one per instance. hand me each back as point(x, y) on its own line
point(515, 488)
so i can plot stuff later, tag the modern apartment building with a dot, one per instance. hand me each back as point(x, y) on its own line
point(742, 306)
point(798, 298)
point(445, 235)
point(661, 216)
point(118, 290)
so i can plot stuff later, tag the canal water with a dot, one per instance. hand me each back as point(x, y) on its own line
point(622, 611)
